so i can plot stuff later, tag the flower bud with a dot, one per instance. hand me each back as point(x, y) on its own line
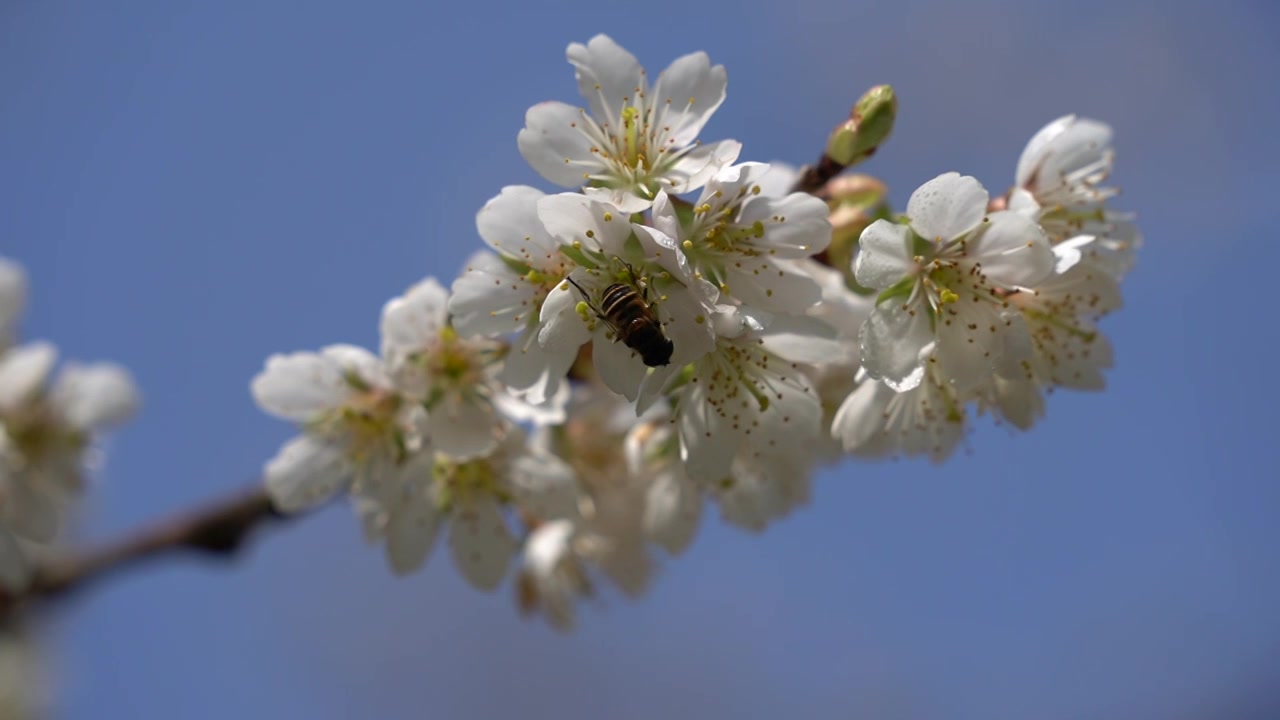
point(869, 125)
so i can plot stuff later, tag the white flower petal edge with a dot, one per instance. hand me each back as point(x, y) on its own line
point(305, 473)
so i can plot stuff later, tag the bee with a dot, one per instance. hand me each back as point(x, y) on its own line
point(625, 308)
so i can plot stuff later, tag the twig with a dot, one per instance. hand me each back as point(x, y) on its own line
point(814, 178)
point(218, 530)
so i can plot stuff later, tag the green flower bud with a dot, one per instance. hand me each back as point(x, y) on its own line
point(868, 126)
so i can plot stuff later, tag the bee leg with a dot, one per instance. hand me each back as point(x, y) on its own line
point(587, 299)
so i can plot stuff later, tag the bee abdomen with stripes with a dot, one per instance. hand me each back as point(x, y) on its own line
point(636, 324)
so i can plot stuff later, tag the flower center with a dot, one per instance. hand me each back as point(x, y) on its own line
point(37, 435)
point(459, 483)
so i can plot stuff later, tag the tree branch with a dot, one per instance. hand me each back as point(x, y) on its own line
point(217, 530)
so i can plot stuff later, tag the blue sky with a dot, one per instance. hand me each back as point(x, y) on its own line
point(193, 186)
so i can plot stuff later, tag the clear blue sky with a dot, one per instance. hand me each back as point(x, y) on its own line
point(193, 186)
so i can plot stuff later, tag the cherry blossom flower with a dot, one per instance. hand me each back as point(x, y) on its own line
point(1059, 183)
point(357, 428)
point(48, 426)
point(941, 280)
point(638, 140)
point(470, 496)
point(455, 378)
point(749, 389)
point(610, 250)
point(502, 294)
point(748, 243)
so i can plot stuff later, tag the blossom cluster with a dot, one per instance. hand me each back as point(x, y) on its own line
point(48, 424)
point(677, 328)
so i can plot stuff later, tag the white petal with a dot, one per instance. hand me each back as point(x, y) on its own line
point(545, 486)
point(463, 426)
point(673, 507)
point(305, 473)
point(625, 199)
point(411, 532)
point(1036, 149)
point(535, 374)
point(571, 217)
point(95, 396)
point(608, 76)
point(841, 308)
point(661, 248)
point(413, 322)
point(802, 339)
point(489, 298)
point(1016, 346)
point(773, 285)
point(619, 366)
point(686, 322)
point(884, 255)
point(891, 341)
point(480, 543)
point(353, 360)
point(753, 497)
point(665, 220)
point(1081, 144)
point(795, 226)
point(24, 370)
point(696, 167)
point(967, 347)
point(686, 95)
point(547, 409)
point(300, 386)
point(780, 179)
point(555, 146)
point(15, 573)
point(550, 578)
point(563, 330)
point(1013, 250)
point(707, 444)
point(859, 422)
point(509, 224)
point(1020, 402)
point(947, 206)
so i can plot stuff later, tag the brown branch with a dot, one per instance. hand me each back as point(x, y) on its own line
point(814, 178)
point(217, 530)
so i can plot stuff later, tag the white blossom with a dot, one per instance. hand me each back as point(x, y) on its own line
point(454, 377)
point(51, 422)
point(469, 496)
point(609, 517)
point(747, 243)
point(673, 501)
point(552, 577)
point(502, 294)
point(609, 249)
point(762, 488)
point(48, 425)
point(941, 280)
point(356, 426)
point(1068, 349)
point(637, 140)
point(1060, 183)
point(749, 389)
point(844, 311)
point(877, 421)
